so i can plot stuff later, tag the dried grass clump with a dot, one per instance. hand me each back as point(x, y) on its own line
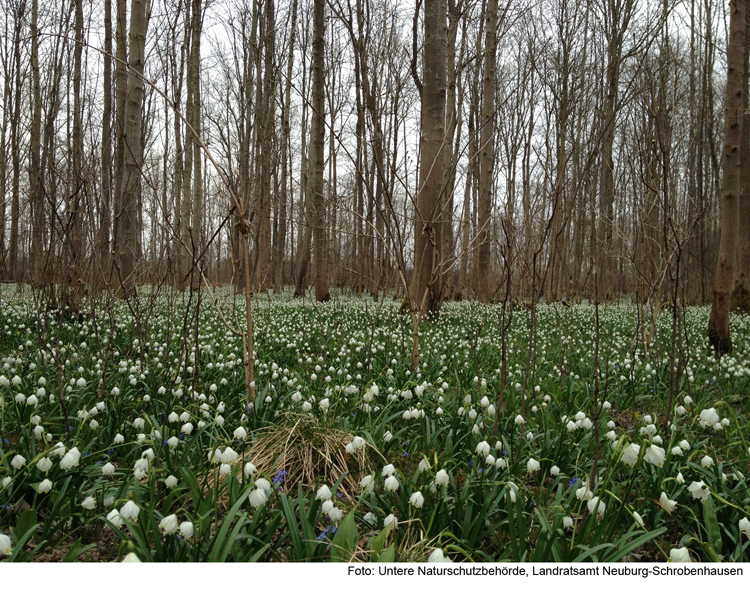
point(309, 451)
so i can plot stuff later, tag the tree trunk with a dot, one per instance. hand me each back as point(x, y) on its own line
point(266, 119)
point(741, 292)
point(487, 154)
point(197, 205)
point(131, 135)
point(285, 131)
point(426, 249)
point(317, 139)
point(718, 323)
point(36, 188)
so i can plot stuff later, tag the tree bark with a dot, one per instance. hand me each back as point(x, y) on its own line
point(131, 136)
point(718, 323)
point(426, 249)
point(741, 292)
point(487, 154)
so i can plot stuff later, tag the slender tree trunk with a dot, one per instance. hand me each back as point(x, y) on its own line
point(426, 249)
point(105, 199)
point(197, 205)
point(317, 139)
point(741, 292)
point(718, 323)
point(285, 131)
point(267, 111)
point(35, 176)
point(130, 197)
point(487, 154)
point(15, 206)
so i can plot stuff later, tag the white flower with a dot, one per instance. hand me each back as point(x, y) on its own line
point(583, 492)
point(700, 490)
point(171, 481)
point(679, 555)
point(45, 485)
point(257, 497)
point(324, 493)
point(519, 420)
point(169, 524)
point(187, 428)
point(442, 478)
point(567, 522)
point(173, 442)
point(130, 511)
point(229, 456)
point(596, 504)
point(684, 444)
point(44, 464)
point(389, 470)
point(119, 439)
point(631, 453)
point(680, 478)
point(655, 455)
point(367, 483)
point(18, 462)
point(370, 518)
point(186, 529)
point(438, 556)
point(5, 545)
point(391, 483)
point(707, 461)
point(709, 417)
point(6, 481)
point(490, 460)
point(417, 499)
point(89, 503)
point(532, 465)
point(483, 448)
point(263, 484)
point(141, 467)
point(249, 469)
point(666, 503)
point(114, 518)
point(391, 520)
point(335, 514)
point(108, 469)
point(676, 450)
point(638, 519)
point(745, 526)
point(387, 436)
point(240, 433)
point(554, 471)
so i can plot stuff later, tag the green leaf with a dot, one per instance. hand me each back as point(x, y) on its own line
point(389, 555)
point(712, 525)
point(26, 521)
point(345, 539)
point(221, 537)
point(76, 551)
point(639, 541)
